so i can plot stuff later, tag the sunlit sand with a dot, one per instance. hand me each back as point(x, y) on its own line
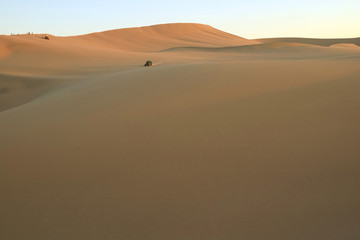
point(222, 138)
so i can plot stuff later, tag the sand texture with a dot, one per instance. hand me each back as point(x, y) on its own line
point(223, 138)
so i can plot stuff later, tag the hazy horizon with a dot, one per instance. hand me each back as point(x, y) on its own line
point(256, 19)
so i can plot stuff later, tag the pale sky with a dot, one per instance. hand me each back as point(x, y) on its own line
point(250, 18)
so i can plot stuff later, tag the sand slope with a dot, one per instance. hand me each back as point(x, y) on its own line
point(313, 41)
point(216, 141)
point(160, 37)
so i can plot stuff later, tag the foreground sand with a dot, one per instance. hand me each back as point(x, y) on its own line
point(224, 138)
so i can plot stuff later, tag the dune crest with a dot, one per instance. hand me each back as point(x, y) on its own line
point(313, 41)
point(163, 36)
point(346, 45)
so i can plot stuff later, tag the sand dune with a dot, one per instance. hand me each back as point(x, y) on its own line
point(224, 138)
point(346, 45)
point(313, 41)
point(15, 90)
point(148, 39)
point(271, 47)
point(160, 37)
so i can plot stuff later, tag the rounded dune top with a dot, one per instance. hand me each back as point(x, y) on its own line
point(163, 36)
point(345, 45)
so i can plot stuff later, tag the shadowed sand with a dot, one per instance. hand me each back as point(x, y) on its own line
point(224, 138)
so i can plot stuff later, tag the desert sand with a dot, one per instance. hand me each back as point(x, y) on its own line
point(223, 138)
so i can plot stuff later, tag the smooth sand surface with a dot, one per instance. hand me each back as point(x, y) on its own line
point(314, 41)
point(223, 138)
